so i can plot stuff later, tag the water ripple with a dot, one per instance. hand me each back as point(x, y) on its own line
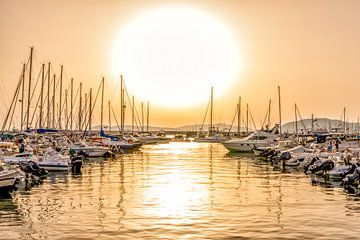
point(180, 191)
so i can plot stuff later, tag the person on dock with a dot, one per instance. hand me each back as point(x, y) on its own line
point(329, 148)
point(22, 147)
point(337, 142)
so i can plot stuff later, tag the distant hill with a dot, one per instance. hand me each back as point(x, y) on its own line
point(319, 123)
point(185, 128)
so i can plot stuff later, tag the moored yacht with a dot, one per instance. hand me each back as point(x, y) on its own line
point(7, 179)
point(258, 139)
point(20, 157)
point(92, 151)
point(216, 138)
point(54, 161)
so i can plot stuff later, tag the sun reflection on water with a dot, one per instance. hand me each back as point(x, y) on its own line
point(178, 192)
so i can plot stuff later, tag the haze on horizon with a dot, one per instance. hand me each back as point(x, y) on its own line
point(309, 48)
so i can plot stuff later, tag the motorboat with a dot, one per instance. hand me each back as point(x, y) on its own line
point(121, 145)
point(148, 138)
point(217, 138)
point(352, 178)
point(54, 161)
point(20, 157)
point(91, 151)
point(7, 179)
point(259, 139)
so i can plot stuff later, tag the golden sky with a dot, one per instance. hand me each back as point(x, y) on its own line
point(310, 48)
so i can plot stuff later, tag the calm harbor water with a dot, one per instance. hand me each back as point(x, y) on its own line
point(180, 191)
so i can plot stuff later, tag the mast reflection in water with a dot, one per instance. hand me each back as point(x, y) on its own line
point(180, 190)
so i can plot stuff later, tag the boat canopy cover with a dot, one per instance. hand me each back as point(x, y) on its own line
point(6, 136)
point(321, 138)
point(103, 134)
point(46, 130)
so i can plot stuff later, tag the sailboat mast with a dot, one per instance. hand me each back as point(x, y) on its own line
point(239, 116)
point(80, 106)
point(102, 103)
point(147, 117)
point(211, 112)
point(269, 114)
point(48, 98)
point(280, 130)
point(60, 100)
point(312, 122)
point(123, 110)
point(247, 118)
point(66, 109)
point(42, 95)
point(109, 116)
point(71, 102)
point(132, 114)
point(53, 102)
point(344, 120)
point(296, 122)
point(22, 98)
point(12, 107)
point(85, 116)
point(90, 108)
point(142, 116)
point(121, 104)
point(29, 89)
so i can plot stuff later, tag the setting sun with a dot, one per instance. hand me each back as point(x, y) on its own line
point(174, 55)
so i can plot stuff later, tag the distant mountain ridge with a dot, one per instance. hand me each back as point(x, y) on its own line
point(319, 123)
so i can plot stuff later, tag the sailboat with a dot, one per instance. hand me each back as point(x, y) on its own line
point(260, 139)
point(212, 136)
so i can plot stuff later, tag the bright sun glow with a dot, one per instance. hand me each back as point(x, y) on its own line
point(172, 57)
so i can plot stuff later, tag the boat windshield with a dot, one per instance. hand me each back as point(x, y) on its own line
point(258, 138)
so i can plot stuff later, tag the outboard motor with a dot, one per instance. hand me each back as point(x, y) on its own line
point(266, 152)
point(116, 149)
point(282, 157)
point(33, 168)
point(320, 165)
point(108, 154)
point(354, 166)
point(273, 154)
point(311, 162)
point(351, 178)
point(76, 163)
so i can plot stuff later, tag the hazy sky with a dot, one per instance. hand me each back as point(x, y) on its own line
point(310, 48)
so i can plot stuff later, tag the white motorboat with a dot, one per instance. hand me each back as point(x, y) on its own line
point(7, 179)
point(122, 144)
point(148, 138)
point(258, 139)
point(217, 138)
point(54, 161)
point(301, 156)
point(20, 157)
point(91, 151)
